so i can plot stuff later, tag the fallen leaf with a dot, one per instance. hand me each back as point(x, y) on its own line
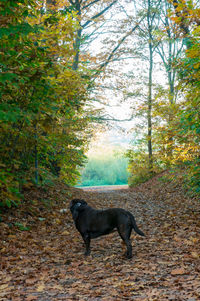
point(6, 279)
point(41, 287)
point(31, 298)
point(58, 287)
point(176, 238)
point(31, 280)
point(65, 233)
point(195, 255)
point(3, 286)
point(179, 271)
point(58, 221)
point(194, 239)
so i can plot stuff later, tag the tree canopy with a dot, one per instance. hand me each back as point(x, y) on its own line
point(43, 122)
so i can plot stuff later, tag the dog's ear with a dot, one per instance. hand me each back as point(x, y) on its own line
point(77, 203)
point(82, 203)
point(76, 206)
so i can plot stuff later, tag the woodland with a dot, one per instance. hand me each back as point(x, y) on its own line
point(61, 61)
point(51, 80)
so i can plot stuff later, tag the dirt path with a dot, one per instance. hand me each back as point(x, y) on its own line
point(47, 263)
point(105, 188)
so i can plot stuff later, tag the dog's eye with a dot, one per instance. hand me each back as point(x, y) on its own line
point(78, 204)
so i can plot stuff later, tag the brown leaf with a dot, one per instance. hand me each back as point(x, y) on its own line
point(179, 271)
point(31, 298)
point(57, 287)
point(30, 280)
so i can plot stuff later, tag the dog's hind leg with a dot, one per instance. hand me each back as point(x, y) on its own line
point(125, 233)
point(86, 239)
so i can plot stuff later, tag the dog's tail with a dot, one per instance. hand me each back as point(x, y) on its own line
point(135, 227)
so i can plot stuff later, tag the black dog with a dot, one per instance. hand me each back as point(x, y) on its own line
point(92, 223)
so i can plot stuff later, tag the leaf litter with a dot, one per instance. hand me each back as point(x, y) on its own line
point(46, 262)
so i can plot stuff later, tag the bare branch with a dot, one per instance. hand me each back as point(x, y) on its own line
point(99, 14)
point(103, 65)
point(110, 118)
point(89, 4)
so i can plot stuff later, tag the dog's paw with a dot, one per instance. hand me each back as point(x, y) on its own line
point(128, 255)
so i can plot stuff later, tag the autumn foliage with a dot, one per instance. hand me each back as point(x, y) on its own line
point(175, 120)
point(42, 120)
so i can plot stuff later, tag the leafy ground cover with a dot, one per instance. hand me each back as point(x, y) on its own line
point(42, 253)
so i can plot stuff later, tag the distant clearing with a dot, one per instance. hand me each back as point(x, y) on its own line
point(104, 188)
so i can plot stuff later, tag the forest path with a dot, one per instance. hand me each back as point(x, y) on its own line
point(104, 188)
point(47, 263)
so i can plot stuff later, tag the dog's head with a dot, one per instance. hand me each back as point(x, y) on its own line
point(76, 206)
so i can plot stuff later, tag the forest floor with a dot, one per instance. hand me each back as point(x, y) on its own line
point(42, 253)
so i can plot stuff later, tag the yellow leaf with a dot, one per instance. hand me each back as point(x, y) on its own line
point(195, 255)
point(196, 66)
point(58, 221)
point(65, 233)
point(3, 287)
point(194, 239)
point(41, 287)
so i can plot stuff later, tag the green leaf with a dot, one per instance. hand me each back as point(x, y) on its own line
point(22, 227)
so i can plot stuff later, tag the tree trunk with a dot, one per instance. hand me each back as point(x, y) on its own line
point(149, 113)
point(77, 45)
point(149, 117)
point(77, 42)
point(36, 156)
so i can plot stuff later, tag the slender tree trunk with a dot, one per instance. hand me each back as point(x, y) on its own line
point(149, 114)
point(77, 42)
point(80, 8)
point(171, 83)
point(36, 156)
point(77, 45)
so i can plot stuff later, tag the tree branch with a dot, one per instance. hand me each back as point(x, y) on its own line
point(110, 118)
point(99, 14)
point(103, 65)
point(89, 4)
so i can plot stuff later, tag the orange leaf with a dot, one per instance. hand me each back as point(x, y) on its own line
point(179, 271)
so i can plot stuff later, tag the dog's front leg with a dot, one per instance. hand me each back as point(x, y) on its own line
point(86, 238)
